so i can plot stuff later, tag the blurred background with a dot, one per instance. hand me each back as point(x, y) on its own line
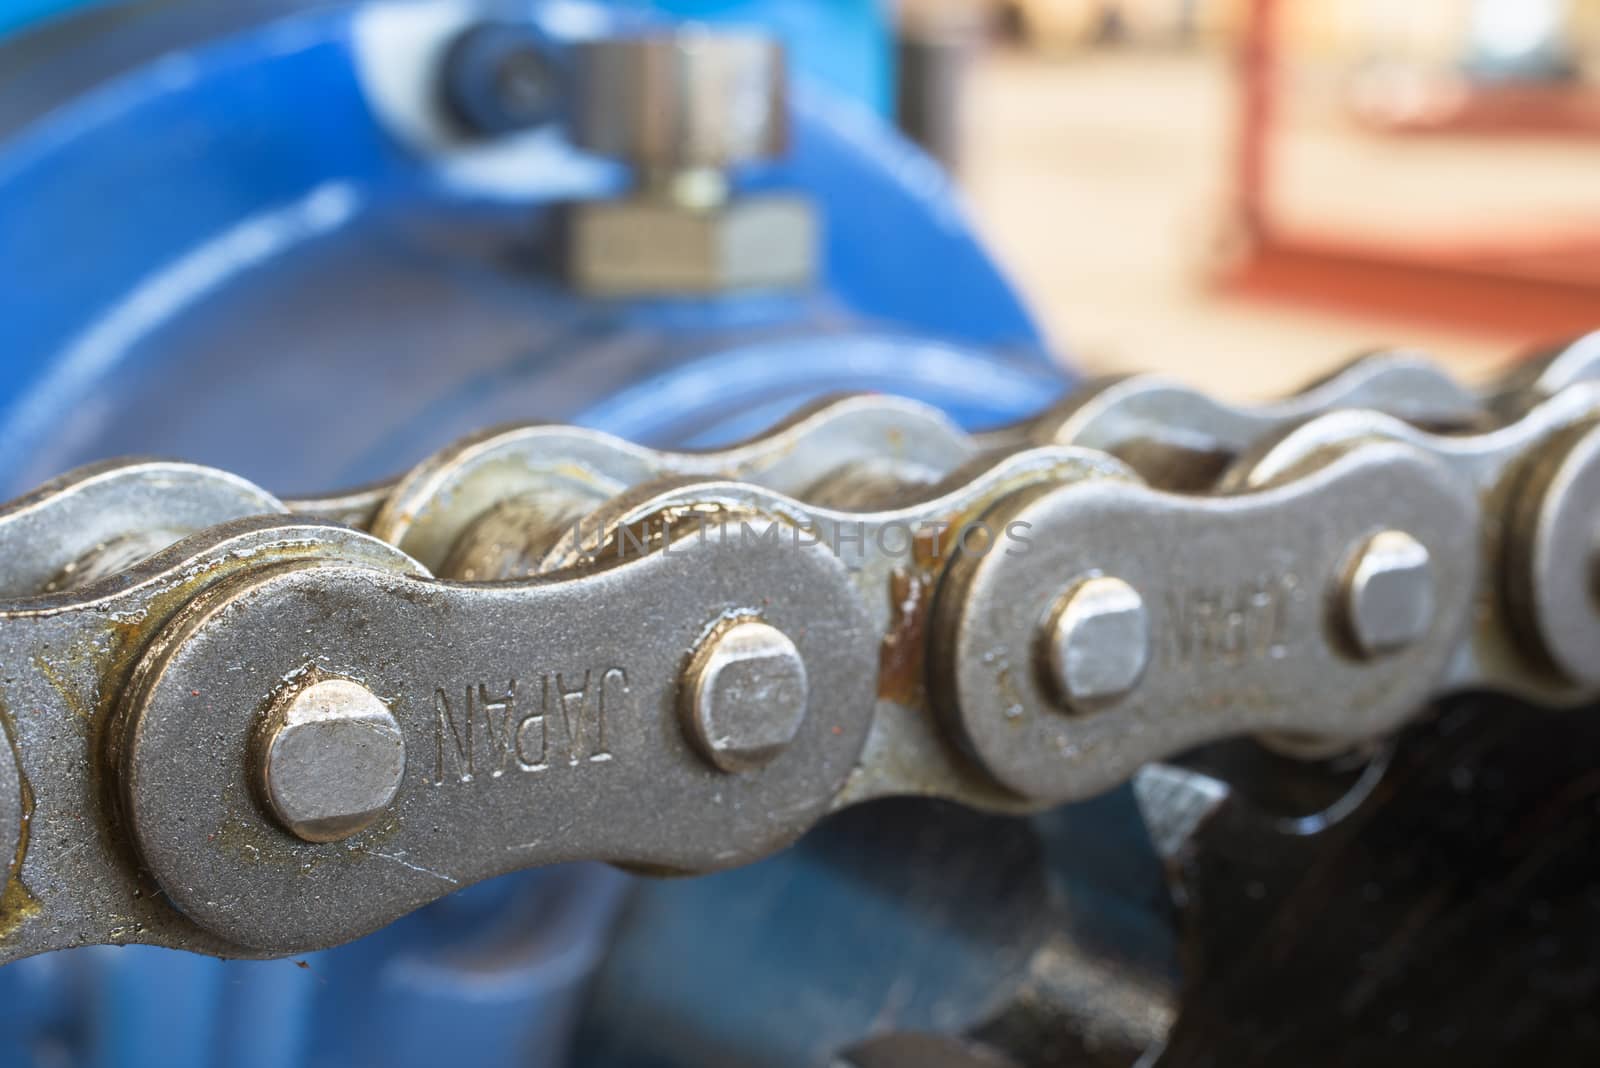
point(251, 233)
point(1241, 191)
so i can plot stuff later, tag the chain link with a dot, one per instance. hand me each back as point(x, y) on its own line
point(252, 728)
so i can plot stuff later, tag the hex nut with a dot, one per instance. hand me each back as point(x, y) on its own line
point(1389, 594)
point(1097, 641)
point(745, 693)
point(644, 246)
point(331, 759)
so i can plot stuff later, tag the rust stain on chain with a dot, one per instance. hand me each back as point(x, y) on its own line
point(900, 658)
point(902, 654)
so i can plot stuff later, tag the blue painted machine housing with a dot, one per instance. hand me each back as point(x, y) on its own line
point(223, 254)
point(217, 244)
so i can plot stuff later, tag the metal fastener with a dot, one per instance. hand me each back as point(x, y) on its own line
point(332, 760)
point(1389, 593)
point(682, 99)
point(1098, 640)
point(745, 695)
point(685, 108)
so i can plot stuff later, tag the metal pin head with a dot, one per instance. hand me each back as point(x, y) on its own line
point(745, 695)
point(332, 759)
point(1097, 641)
point(1389, 593)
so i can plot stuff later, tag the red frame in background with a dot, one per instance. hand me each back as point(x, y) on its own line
point(1524, 288)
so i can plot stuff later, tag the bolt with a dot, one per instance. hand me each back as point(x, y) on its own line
point(1389, 593)
point(332, 760)
point(1098, 640)
point(745, 695)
